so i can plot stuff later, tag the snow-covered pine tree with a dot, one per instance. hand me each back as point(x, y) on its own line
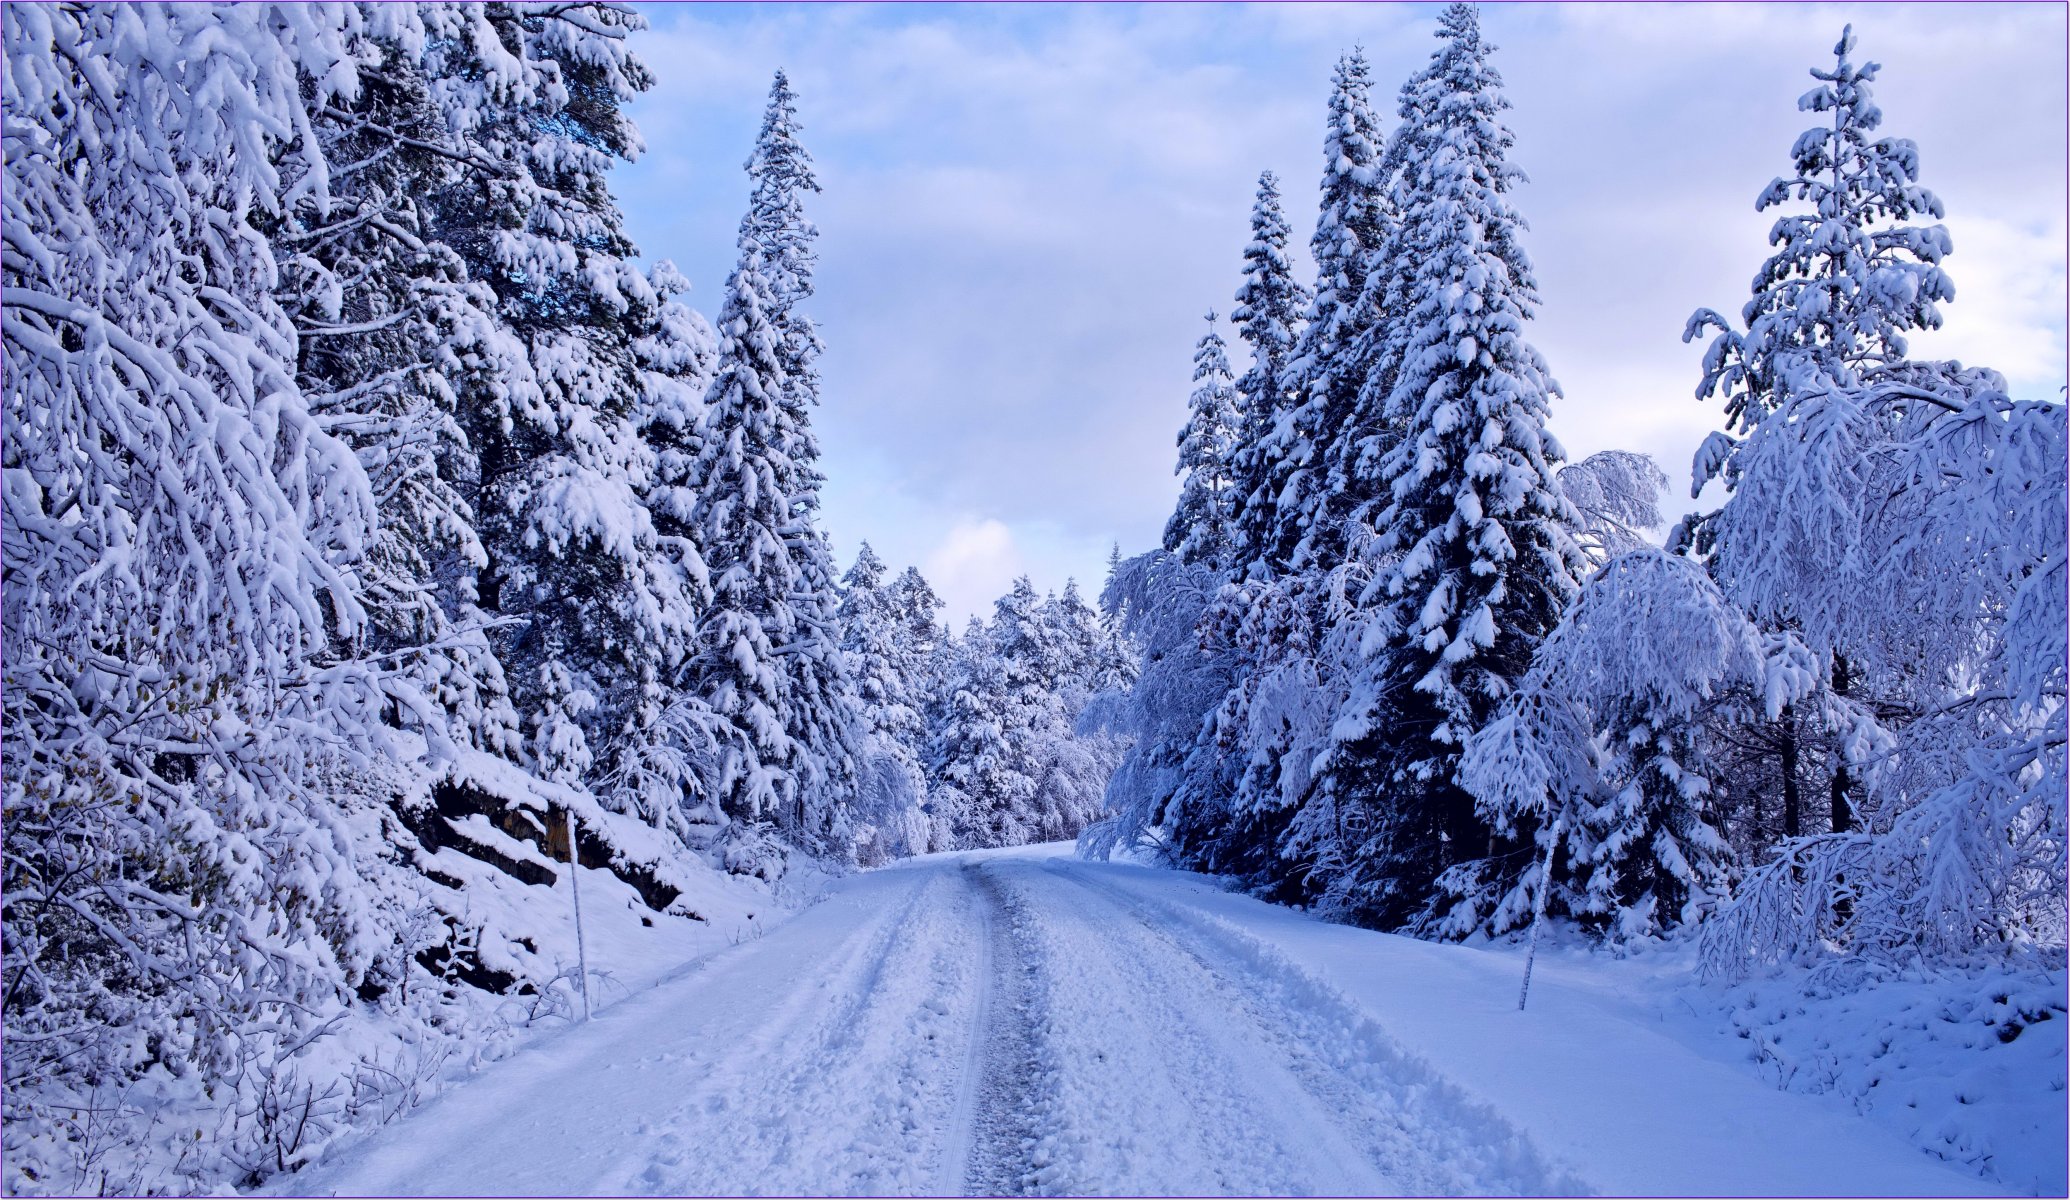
point(1381, 341)
point(1476, 540)
point(1071, 765)
point(537, 95)
point(394, 343)
point(820, 696)
point(1174, 772)
point(1202, 528)
point(1005, 747)
point(741, 515)
point(1332, 361)
point(977, 785)
point(1848, 279)
point(889, 817)
point(1270, 304)
point(780, 172)
point(670, 743)
point(923, 648)
point(1311, 501)
point(917, 611)
point(1268, 318)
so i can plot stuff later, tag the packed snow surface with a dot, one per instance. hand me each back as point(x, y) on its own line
point(1025, 1022)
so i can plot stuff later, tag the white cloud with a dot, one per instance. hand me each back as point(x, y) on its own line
point(974, 564)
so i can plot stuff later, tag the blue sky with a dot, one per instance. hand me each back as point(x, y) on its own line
point(1028, 208)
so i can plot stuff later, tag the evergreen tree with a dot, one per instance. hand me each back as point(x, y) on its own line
point(669, 744)
point(1005, 748)
point(916, 610)
point(820, 697)
point(888, 687)
point(1334, 356)
point(571, 548)
point(1267, 316)
point(1201, 528)
point(741, 514)
point(1381, 342)
point(1476, 538)
point(780, 173)
point(393, 343)
point(979, 787)
point(1847, 279)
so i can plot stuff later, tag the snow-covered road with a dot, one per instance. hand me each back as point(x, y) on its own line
point(1015, 1023)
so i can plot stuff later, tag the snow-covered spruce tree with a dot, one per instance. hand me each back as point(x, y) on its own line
point(1202, 528)
point(394, 343)
point(917, 611)
point(1091, 656)
point(1072, 763)
point(1476, 542)
point(977, 784)
point(741, 515)
point(1848, 279)
point(1598, 755)
point(1270, 304)
point(889, 818)
point(923, 648)
point(1006, 747)
point(1380, 341)
point(780, 172)
point(1333, 359)
point(1311, 503)
point(820, 696)
point(1174, 771)
point(187, 741)
point(536, 95)
point(1268, 318)
point(669, 745)
point(1031, 653)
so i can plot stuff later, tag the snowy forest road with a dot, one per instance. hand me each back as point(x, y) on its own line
point(968, 1024)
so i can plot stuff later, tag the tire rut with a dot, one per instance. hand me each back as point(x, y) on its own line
point(1409, 1122)
point(1007, 1093)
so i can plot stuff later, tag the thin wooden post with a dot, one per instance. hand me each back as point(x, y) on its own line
point(575, 890)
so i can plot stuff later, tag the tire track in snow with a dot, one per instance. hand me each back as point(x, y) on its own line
point(847, 1102)
point(1413, 1123)
point(1002, 1094)
point(1158, 1084)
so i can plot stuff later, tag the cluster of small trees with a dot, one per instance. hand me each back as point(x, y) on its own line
point(975, 740)
point(1402, 662)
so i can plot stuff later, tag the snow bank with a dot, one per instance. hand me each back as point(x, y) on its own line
point(1969, 1065)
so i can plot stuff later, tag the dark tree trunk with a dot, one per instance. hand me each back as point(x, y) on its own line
point(1843, 812)
point(1793, 808)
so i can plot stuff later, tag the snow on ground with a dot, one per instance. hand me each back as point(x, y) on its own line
point(1002, 1022)
point(1969, 1065)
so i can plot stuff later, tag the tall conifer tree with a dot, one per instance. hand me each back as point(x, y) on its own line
point(1477, 539)
point(1268, 317)
point(1202, 528)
